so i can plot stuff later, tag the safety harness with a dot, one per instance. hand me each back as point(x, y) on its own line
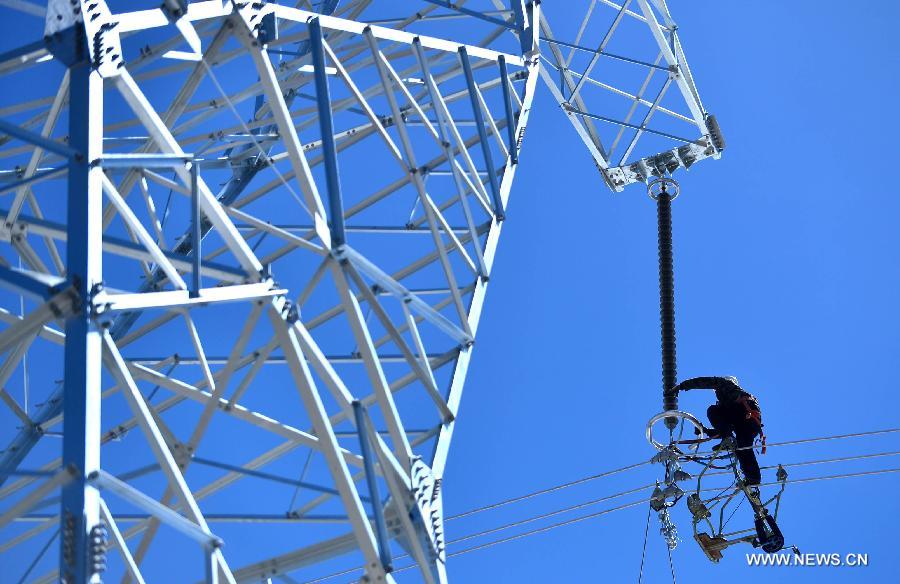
point(753, 412)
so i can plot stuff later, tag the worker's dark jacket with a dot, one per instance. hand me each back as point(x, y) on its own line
point(736, 411)
point(727, 391)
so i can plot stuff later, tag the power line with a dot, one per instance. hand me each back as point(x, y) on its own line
point(578, 520)
point(546, 491)
point(569, 484)
point(817, 439)
point(630, 491)
point(552, 513)
point(816, 479)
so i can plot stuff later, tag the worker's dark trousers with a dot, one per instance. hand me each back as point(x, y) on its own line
point(728, 418)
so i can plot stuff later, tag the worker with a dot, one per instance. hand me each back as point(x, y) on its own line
point(735, 412)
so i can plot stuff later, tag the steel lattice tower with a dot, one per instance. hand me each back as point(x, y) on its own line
point(245, 251)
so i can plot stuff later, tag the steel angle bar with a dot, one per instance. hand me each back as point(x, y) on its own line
point(440, 106)
point(27, 253)
point(390, 34)
point(400, 489)
point(403, 294)
point(61, 478)
point(120, 544)
point(601, 48)
point(261, 225)
point(362, 428)
point(383, 66)
point(16, 409)
point(430, 382)
point(634, 126)
point(594, 147)
point(34, 179)
point(445, 126)
point(258, 518)
point(186, 299)
point(288, 131)
point(22, 55)
point(553, 42)
point(508, 109)
point(373, 367)
point(489, 119)
point(35, 284)
point(137, 228)
point(60, 306)
point(177, 107)
point(310, 350)
point(162, 453)
point(240, 412)
point(208, 203)
point(120, 371)
point(296, 559)
point(170, 517)
point(124, 248)
point(326, 125)
point(421, 368)
point(38, 140)
point(53, 114)
point(687, 89)
point(636, 99)
point(362, 530)
point(373, 117)
point(267, 476)
point(451, 233)
point(442, 445)
point(129, 161)
point(643, 126)
point(473, 13)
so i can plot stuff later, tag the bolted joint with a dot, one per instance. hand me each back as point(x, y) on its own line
point(291, 312)
point(97, 548)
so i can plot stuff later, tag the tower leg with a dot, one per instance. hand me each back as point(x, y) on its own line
point(82, 534)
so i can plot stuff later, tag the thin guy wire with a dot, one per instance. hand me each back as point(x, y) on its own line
point(671, 565)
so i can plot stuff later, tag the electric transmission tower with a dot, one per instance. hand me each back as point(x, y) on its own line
point(246, 247)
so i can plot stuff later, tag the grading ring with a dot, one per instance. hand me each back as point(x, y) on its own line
point(672, 414)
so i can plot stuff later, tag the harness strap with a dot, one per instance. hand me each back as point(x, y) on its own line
point(754, 414)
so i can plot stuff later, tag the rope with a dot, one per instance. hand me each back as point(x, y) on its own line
point(738, 506)
point(644, 550)
point(671, 564)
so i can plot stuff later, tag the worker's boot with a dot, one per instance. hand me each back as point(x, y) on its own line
point(727, 444)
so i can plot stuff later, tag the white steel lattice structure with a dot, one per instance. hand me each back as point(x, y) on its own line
point(251, 319)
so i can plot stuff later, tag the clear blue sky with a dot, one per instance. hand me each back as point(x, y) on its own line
point(786, 274)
